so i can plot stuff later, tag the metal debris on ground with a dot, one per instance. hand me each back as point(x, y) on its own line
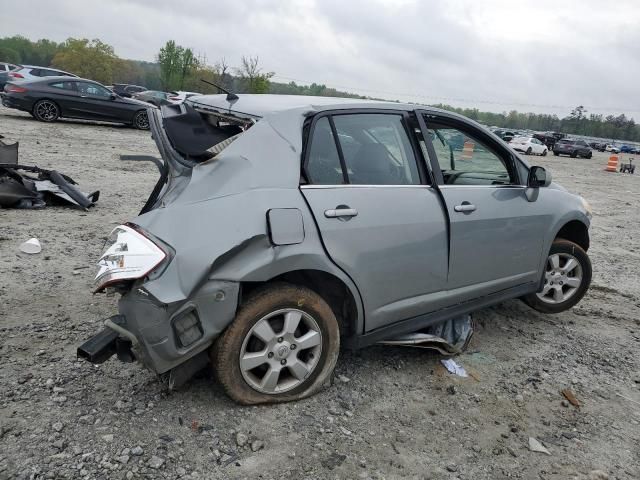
point(449, 337)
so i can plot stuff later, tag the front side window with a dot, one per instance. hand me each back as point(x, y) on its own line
point(465, 160)
point(92, 89)
point(376, 149)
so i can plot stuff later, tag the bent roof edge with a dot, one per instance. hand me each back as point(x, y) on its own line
point(259, 105)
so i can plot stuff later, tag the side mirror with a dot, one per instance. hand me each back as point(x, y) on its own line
point(113, 96)
point(538, 177)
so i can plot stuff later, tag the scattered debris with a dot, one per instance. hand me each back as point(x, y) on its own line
point(19, 188)
point(31, 246)
point(570, 396)
point(536, 446)
point(454, 368)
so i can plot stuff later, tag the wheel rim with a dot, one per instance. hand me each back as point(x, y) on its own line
point(47, 110)
point(562, 278)
point(142, 120)
point(280, 351)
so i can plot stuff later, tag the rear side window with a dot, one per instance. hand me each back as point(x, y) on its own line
point(323, 166)
point(63, 85)
point(36, 72)
point(371, 149)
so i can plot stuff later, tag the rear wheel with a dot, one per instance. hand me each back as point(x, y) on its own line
point(141, 120)
point(567, 277)
point(528, 152)
point(46, 111)
point(589, 155)
point(282, 346)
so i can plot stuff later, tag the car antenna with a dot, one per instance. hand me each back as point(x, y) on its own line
point(230, 96)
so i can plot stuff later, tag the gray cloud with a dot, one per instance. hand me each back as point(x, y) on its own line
point(543, 56)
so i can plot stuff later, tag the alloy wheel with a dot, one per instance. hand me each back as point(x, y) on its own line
point(47, 110)
point(142, 120)
point(280, 351)
point(562, 278)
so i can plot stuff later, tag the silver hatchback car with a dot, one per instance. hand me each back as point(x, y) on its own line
point(283, 226)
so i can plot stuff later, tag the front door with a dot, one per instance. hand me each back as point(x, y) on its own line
point(95, 102)
point(497, 235)
point(380, 220)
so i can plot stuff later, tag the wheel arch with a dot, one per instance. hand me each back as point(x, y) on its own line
point(33, 107)
point(334, 290)
point(576, 232)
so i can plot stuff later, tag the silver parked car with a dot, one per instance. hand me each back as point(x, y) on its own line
point(282, 226)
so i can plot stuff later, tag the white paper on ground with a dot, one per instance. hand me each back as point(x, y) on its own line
point(454, 368)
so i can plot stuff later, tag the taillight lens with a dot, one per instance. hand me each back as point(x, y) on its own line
point(14, 89)
point(128, 255)
point(16, 75)
point(175, 99)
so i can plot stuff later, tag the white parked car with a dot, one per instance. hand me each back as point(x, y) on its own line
point(612, 149)
point(32, 72)
point(180, 96)
point(529, 146)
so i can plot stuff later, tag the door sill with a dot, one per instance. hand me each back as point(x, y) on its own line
point(423, 321)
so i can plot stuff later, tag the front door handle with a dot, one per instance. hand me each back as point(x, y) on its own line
point(465, 207)
point(341, 212)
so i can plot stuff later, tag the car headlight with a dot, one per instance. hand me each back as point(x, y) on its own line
point(128, 255)
point(587, 208)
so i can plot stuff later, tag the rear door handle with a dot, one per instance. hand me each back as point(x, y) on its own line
point(341, 212)
point(465, 207)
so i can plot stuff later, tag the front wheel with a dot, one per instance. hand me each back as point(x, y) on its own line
point(528, 152)
point(141, 120)
point(567, 277)
point(574, 154)
point(282, 346)
point(589, 155)
point(544, 152)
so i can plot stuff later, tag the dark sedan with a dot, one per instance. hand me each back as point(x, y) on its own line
point(50, 98)
point(153, 97)
point(573, 148)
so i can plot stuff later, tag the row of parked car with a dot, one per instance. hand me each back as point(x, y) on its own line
point(49, 94)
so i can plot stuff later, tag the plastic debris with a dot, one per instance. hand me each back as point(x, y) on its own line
point(454, 368)
point(536, 446)
point(31, 246)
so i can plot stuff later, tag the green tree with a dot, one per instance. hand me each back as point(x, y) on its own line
point(9, 55)
point(252, 78)
point(91, 59)
point(176, 64)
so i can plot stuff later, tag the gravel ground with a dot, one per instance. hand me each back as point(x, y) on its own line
point(391, 412)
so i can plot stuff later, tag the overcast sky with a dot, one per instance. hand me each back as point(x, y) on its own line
point(496, 55)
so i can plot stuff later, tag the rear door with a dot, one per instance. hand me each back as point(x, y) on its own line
point(497, 235)
point(380, 219)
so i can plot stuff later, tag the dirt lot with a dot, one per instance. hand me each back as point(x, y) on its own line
point(391, 413)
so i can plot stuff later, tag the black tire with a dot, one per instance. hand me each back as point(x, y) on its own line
point(528, 152)
point(225, 353)
point(574, 154)
point(46, 110)
point(556, 154)
point(589, 155)
point(544, 152)
point(560, 246)
point(141, 120)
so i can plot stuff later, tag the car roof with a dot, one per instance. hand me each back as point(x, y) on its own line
point(47, 68)
point(59, 78)
point(260, 105)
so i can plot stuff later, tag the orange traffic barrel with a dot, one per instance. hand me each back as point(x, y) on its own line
point(467, 151)
point(612, 165)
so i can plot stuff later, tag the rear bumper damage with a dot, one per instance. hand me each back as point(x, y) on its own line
point(169, 339)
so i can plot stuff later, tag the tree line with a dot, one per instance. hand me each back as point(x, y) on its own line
point(178, 68)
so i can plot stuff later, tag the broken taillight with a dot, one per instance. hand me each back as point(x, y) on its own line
point(14, 89)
